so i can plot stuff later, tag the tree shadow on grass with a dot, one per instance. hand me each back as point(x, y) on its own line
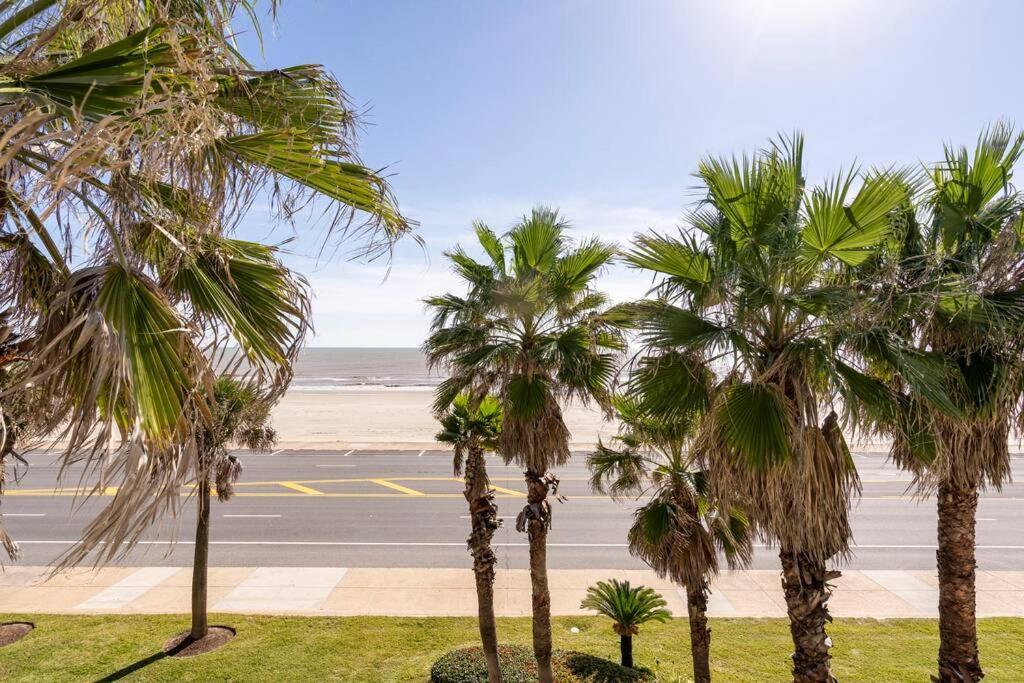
point(141, 664)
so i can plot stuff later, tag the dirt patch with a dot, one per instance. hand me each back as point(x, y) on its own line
point(182, 644)
point(14, 631)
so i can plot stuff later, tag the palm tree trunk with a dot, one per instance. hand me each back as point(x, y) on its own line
point(958, 628)
point(200, 625)
point(804, 580)
point(626, 651)
point(700, 634)
point(484, 522)
point(537, 530)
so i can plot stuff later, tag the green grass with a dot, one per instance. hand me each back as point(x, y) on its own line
point(80, 648)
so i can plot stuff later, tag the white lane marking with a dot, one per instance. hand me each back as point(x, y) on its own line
point(252, 515)
point(348, 453)
point(279, 450)
point(328, 466)
point(468, 517)
point(23, 514)
point(420, 454)
point(987, 519)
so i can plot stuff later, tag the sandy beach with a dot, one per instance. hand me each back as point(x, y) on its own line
point(388, 419)
point(397, 419)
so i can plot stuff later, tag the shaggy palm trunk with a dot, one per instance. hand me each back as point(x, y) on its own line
point(537, 530)
point(200, 625)
point(700, 634)
point(626, 651)
point(958, 628)
point(484, 521)
point(804, 580)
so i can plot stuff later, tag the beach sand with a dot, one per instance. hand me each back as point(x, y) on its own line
point(388, 420)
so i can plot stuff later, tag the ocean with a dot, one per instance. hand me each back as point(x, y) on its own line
point(369, 369)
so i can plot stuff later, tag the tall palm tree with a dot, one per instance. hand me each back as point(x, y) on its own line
point(240, 415)
point(473, 430)
point(958, 294)
point(746, 334)
point(530, 330)
point(680, 531)
point(129, 122)
point(629, 608)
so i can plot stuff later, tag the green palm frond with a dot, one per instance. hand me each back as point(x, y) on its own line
point(471, 421)
point(294, 154)
point(152, 339)
point(244, 287)
point(754, 423)
point(491, 244)
point(618, 472)
point(966, 187)
point(295, 98)
point(107, 81)
point(851, 232)
point(756, 194)
point(672, 385)
point(538, 241)
point(680, 259)
point(628, 606)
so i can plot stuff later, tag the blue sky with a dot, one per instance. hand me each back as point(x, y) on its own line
point(602, 108)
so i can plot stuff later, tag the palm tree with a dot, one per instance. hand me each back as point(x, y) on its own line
point(957, 295)
point(529, 330)
point(136, 138)
point(473, 430)
point(745, 334)
point(680, 531)
point(628, 608)
point(240, 415)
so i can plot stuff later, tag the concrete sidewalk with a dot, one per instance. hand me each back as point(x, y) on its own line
point(450, 592)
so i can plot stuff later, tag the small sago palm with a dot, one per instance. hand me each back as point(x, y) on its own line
point(745, 333)
point(628, 608)
point(241, 415)
point(958, 294)
point(473, 430)
point(680, 531)
point(530, 329)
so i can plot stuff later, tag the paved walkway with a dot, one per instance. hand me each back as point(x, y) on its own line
point(449, 592)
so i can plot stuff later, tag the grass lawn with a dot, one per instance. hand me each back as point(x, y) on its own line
point(81, 648)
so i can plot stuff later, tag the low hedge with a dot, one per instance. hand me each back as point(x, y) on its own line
point(468, 665)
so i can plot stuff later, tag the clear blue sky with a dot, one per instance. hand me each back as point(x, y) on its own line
point(603, 108)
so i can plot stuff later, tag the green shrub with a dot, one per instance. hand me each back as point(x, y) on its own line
point(599, 670)
point(468, 665)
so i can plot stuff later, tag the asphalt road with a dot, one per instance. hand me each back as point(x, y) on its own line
point(403, 509)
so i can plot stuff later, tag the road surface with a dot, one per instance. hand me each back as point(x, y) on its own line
point(368, 508)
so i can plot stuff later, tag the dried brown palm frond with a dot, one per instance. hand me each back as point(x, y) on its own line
point(227, 470)
point(536, 441)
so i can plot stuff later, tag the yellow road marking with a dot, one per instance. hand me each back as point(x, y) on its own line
point(300, 488)
point(502, 489)
point(499, 489)
point(398, 487)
